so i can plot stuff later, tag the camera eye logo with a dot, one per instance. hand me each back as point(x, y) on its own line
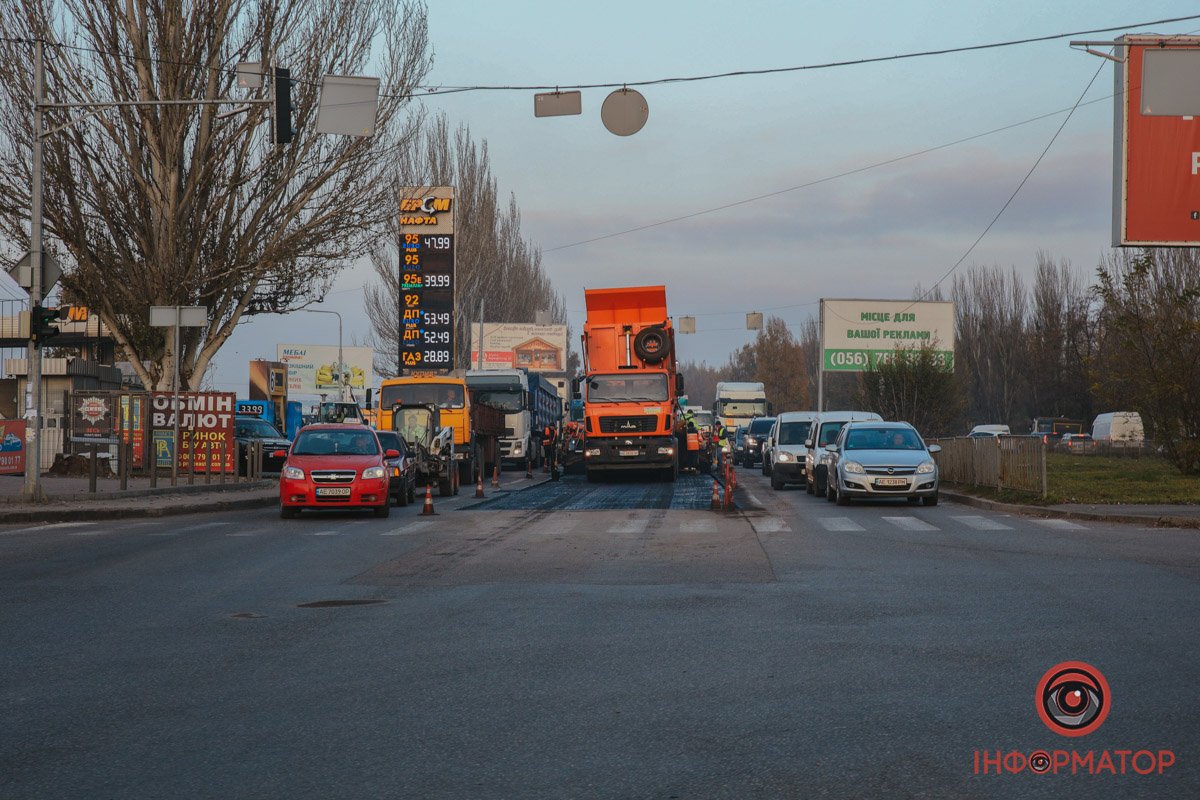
point(1073, 698)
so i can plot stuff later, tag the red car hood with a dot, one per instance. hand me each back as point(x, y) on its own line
point(356, 463)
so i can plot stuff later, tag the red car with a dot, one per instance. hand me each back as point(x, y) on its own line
point(335, 466)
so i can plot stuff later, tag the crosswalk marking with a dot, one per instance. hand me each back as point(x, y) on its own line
point(839, 524)
point(324, 533)
point(983, 523)
point(1060, 524)
point(770, 525)
point(629, 526)
point(910, 524)
point(698, 526)
point(411, 527)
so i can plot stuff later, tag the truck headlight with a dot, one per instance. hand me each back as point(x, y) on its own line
point(666, 451)
point(293, 473)
point(373, 472)
point(782, 457)
point(854, 467)
point(926, 468)
point(591, 451)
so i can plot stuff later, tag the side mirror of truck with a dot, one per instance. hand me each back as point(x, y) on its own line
point(831, 447)
point(808, 443)
point(575, 387)
point(678, 384)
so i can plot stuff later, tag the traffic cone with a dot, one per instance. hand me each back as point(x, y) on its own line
point(715, 505)
point(479, 485)
point(528, 467)
point(496, 476)
point(428, 511)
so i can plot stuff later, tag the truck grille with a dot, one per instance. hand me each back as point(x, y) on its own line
point(639, 424)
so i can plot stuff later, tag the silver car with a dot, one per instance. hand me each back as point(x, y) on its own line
point(881, 459)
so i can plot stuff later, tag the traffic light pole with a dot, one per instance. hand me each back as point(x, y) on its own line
point(33, 361)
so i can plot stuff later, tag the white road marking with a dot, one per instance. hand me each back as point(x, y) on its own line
point(1060, 524)
point(241, 534)
point(983, 523)
point(698, 526)
point(911, 524)
point(411, 527)
point(629, 526)
point(839, 524)
point(324, 533)
point(770, 525)
point(750, 496)
point(53, 527)
point(205, 526)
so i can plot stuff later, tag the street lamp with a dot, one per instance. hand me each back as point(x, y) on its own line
point(341, 366)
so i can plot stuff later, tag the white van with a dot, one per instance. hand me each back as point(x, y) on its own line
point(989, 430)
point(825, 430)
point(792, 429)
point(1119, 427)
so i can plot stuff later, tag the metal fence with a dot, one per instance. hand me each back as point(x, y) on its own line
point(998, 462)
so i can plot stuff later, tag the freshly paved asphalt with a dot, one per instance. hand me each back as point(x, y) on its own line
point(551, 645)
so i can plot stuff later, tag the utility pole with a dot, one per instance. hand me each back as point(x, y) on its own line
point(33, 371)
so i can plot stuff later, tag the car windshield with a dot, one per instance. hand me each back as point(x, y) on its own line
point(743, 408)
point(616, 388)
point(883, 439)
point(761, 427)
point(255, 429)
point(829, 432)
point(390, 440)
point(443, 395)
point(504, 400)
point(336, 443)
point(793, 432)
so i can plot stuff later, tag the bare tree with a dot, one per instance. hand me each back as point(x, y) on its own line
point(913, 386)
point(990, 307)
point(172, 205)
point(493, 261)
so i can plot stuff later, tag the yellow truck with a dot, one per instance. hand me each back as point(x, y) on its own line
point(477, 427)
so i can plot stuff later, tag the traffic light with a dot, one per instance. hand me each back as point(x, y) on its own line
point(283, 106)
point(42, 323)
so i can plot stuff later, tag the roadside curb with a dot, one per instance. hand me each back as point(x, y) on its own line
point(166, 491)
point(1158, 521)
point(126, 512)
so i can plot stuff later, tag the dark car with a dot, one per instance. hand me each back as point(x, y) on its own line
point(756, 433)
point(402, 470)
point(248, 430)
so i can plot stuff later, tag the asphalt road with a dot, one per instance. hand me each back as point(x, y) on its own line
point(579, 640)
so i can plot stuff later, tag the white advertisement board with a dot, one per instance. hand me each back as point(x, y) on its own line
point(858, 333)
point(538, 348)
point(312, 368)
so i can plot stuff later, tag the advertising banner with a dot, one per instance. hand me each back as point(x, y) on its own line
point(133, 425)
point(12, 446)
point(93, 417)
point(858, 333)
point(538, 348)
point(206, 422)
point(312, 368)
point(427, 282)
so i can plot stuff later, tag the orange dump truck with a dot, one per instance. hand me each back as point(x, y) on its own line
point(630, 383)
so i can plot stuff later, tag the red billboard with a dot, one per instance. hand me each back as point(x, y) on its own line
point(205, 425)
point(12, 446)
point(1156, 175)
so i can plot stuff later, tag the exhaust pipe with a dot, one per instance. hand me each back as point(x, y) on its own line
point(628, 345)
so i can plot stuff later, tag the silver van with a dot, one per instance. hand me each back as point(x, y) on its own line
point(825, 430)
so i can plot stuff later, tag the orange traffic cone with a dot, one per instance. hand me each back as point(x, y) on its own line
point(428, 511)
point(715, 505)
point(528, 467)
point(496, 476)
point(479, 485)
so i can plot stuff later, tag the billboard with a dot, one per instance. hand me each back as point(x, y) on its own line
point(1156, 143)
point(426, 277)
point(312, 368)
point(538, 348)
point(206, 425)
point(12, 446)
point(858, 333)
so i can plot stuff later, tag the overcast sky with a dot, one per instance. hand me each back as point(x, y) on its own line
point(876, 233)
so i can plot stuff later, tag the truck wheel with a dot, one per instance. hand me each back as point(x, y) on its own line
point(652, 344)
point(593, 477)
point(672, 472)
point(776, 483)
point(808, 486)
point(445, 485)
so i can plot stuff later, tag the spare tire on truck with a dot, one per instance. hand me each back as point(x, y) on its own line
point(652, 344)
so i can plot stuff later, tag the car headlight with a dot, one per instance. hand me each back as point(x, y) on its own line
point(853, 466)
point(373, 472)
point(784, 457)
point(293, 473)
point(591, 451)
point(926, 467)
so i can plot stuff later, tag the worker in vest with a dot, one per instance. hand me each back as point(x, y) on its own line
point(550, 446)
point(719, 435)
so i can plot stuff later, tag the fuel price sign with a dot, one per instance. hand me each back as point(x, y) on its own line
point(426, 267)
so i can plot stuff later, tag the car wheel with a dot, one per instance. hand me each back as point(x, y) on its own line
point(841, 498)
point(808, 485)
point(402, 495)
point(288, 512)
point(412, 490)
point(821, 488)
point(383, 510)
point(830, 492)
point(776, 483)
point(930, 501)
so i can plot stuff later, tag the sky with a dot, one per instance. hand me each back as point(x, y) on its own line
point(876, 233)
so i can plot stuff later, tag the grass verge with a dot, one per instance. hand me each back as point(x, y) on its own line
point(1102, 480)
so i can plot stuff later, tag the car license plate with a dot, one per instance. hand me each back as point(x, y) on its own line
point(333, 491)
point(627, 452)
point(891, 481)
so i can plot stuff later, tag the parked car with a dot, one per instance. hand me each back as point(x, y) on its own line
point(987, 431)
point(881, 459)
point(249, 430)
point(756, 434)
point(402, 470)
point(1119, 428)
point(825, 429)
point(335, 465)
point(792, 429)
point(1076, 442)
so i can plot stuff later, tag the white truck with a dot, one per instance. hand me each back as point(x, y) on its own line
point(529, 403)
point(738, 402)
